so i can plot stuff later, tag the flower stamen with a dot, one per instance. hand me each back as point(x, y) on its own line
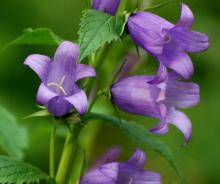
point(130, 181)
point(59, 87)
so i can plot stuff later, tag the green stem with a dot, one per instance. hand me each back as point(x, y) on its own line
point(123, 6)
point(78, 166)
point(101, 93)
point(68, 155)
point(115, 77)
point(52, 148)
point(97, 65)
point(93, 102)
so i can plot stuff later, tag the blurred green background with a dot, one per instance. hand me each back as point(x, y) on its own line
point(200, 160)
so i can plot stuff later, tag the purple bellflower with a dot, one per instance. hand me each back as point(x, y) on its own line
point(137, 95)
point(111, 172)
point(58, 91)
point(107, 6)
point(167, 42)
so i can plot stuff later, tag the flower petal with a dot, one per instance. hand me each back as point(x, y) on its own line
point(110, 170)
point(83, 71)
point(130, 63)
point(107, 6)
point(64, 66)
point(135, 95)
point(40, 64)
point(187, 18)
point(182, 94)
point(79, 101)
point(146, 178)
point(160, 129)
point(176, 59)
point(44, 94)
point(161, 75)
point(137, 161)
point(146, 30)
point(106, 174)
point(66, 54)
point(182, 122)
point(58, 106)
point(111, 156)
point(190, 41)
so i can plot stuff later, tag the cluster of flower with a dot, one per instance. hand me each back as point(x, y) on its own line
point(107, 171)
point(154, 96)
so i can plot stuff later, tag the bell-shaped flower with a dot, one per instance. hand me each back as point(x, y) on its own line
point(107, 6)
point(138, 95)
point(114, 172)
point(167, 42)
point(58, 91)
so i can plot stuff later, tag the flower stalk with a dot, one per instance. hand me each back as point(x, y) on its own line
point(99, 61)
point(52, 151)
point(68, 155)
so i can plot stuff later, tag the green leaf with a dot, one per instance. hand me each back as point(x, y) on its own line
point(12, 171)
point(13, 137)
point(39, 36)
point(40, 113)
point(97, 28)
point(139, 135)
point(158, 5)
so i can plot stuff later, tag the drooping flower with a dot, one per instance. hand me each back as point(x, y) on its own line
point(107, 6)
point(131, 171)
point(58, 91)
point(167, 42)
point(138, 95)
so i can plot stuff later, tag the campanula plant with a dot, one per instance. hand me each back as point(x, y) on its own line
point(70, 88)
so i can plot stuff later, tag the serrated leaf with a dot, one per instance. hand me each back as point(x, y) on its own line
point(13, 137)
point(139, 135)
point(97, 28)
point(18, 172)
point(39, 36)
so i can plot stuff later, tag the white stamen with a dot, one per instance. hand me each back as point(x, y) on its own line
point(130, 181)
point(59, 86)
point(62, 80)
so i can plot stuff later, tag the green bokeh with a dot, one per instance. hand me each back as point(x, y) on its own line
point(200, 160)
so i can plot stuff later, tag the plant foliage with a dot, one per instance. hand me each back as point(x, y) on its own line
point(97, 28)
point(13, 137)
point(12, 171)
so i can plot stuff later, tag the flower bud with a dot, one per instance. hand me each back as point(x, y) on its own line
point(107, 6)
